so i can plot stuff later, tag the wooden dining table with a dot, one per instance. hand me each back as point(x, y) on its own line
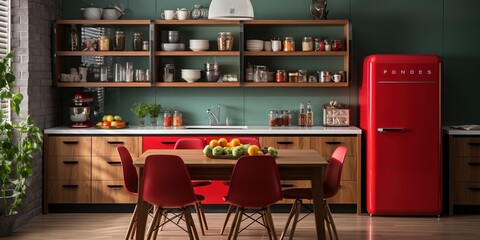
point(292, 165)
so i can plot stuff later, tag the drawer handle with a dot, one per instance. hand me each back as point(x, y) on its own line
point(70, 186)
point(70, 142)
point(115, 142)
point(70, 162)
point(474, 188)
point(168, 143)
point(333, 143)
point(114, 163)
point(284, 142)
point(474, 163)
point(115, 186)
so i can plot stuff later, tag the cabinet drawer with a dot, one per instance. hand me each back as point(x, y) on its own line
point(466, 169)
point(111, 192)
point(466, 193)
point(107, 168)
point(285, 142)
point(347, 193)
point(107, 146)
point(466, 147)
point(69, 192)
point(326, 145)
point(349, 171)
point(69, 168)
point(163, 142)
point(69, 146)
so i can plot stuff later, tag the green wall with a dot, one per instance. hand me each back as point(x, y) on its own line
point(448, 28)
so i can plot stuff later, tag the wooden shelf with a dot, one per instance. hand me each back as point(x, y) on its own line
point(197, 84)
point(340, 22)
point(198, 22)
point(288, 84)
point(200, 53)
point(104, 84)
point(294, 54)
point(103, 22)
point(103, 53)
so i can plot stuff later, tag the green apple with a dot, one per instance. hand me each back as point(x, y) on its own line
point(227, 151)
point(272, 151)
point(237, 151)
point(104, 118)
point(217, 151)
point(245, 148)
point(117, 118)
point(207, 150)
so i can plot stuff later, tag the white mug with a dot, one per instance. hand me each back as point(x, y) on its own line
point(168, 14)
point(267, 45)
point(336, 77)
point(276, 45)
point(181, 14)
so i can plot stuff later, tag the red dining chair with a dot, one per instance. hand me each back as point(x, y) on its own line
point(254, 184)
point(196, 143)
point(167, 185)
point(331, 185)
point(130, 183)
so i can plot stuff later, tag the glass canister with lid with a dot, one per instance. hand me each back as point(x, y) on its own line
point(177, 119)
point(119, 41)
point(289, 44)
point(137, 41)
point(225, 41)
point(169, 72)
point(167, 119)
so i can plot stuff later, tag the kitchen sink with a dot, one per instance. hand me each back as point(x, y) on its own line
point(215, 127)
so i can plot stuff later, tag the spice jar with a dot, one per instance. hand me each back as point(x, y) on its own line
point(177, 119)
point(307, 44)
point(145, 46)
point(289, 44)
point(328, 45)
point(287, 118)
point(225, 41)
point(293, 77)
point(104, 43)
point(119, 41)
point(73, 44)
point(167, 119)
point(302, 75)
point(280, 77)
point(272, 118)
point(316, 46)
point(337, 45)
point(321, 45)
point(137, 41)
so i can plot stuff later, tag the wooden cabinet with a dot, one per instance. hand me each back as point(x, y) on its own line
point(231, 62)
point(86, 169)
point(464, 171)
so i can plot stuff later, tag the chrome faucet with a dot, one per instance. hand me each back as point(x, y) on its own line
point(216, 117)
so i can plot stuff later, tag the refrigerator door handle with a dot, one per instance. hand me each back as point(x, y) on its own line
point(391, 129)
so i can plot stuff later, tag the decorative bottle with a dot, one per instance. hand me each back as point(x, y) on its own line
point(73, 38)
point(302, 118)
point(309, 115)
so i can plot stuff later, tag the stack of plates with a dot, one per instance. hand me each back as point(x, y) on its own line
point(254, 45)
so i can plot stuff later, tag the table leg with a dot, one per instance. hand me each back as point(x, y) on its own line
point(317, 192)
point(142, 209)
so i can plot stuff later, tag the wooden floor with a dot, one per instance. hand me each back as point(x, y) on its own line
point(350, 226)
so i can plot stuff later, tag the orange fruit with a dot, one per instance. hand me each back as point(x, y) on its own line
point(229, 145)
point(235, 142)
point(222, 142)
point(260, 153)
point(213, 143)
point(253, 150)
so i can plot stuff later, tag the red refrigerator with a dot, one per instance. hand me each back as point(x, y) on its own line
point(400, 117)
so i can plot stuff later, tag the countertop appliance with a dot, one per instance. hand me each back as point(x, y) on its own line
point(400, 115)
point(79, 111)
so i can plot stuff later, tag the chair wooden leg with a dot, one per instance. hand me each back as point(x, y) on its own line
point(131, 226)
point(271, 226)
point(237, 224)
point(200, 206)
point(265, 222)
point(191, 224)
point(229, 212)
point(159, 220)
point(186, 212)
point(289, 219)
point(234, 222)
point(154, 224)
point(330, 222)
point(298, 204)
point(199, 215)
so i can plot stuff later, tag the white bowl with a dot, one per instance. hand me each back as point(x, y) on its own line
point(191, 75)
point(199, 45)
point(173, 46)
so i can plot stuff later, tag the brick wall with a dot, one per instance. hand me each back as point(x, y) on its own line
point(31, 43)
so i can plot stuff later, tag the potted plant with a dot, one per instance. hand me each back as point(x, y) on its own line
point(19, 141)
point(140, 110)
point(154, 110)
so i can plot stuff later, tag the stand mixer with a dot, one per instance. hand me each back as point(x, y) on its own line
point(80, 110)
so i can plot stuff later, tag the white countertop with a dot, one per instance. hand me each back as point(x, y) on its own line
point(250, 130)
point(454, 131)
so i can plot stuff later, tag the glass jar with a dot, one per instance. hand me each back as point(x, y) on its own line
point(287, 118)
point(316, 46)
point(177, 119)
point(119, 41)
point(302, 75)
point(328, 45)
point(145, 46)
point(289, 44)
point(137, 41)
point(337, 45)
point(225, 41)
point(104, 43)
point(272, 118)
point(280, 77)
point(307, 44)
point(73, 44)
point(169, 73)
point(167, 119)
point(293, 77)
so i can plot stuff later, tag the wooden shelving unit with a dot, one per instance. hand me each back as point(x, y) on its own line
point(197, 84)
point(288, 84)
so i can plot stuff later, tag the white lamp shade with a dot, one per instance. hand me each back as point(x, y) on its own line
point(230, 10)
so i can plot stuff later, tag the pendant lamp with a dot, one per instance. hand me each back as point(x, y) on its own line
point(230, 10)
